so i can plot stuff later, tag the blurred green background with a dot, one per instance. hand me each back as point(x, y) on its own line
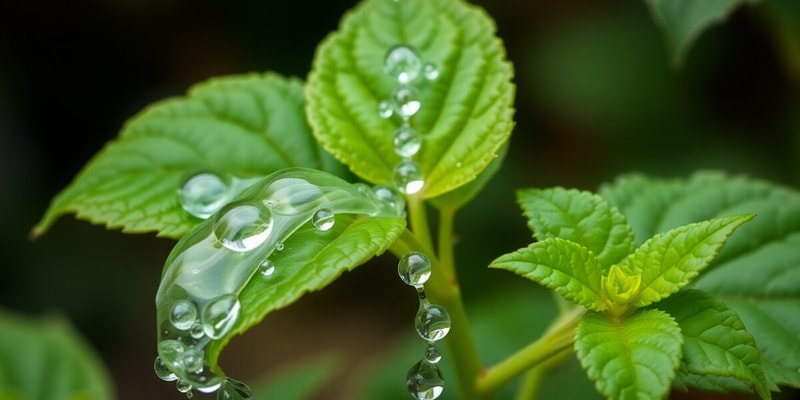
point(596, 97)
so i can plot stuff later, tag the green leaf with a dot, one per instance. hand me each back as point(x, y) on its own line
point(632, 358)
point(716, 345)
point(242, 125)
point(756, 273)
point(464, 194)
point(298, 381)
point(684, 20)
point(581, 217)
point(566, 267)
point(670, 260)
point(43, 359)
point(465, 115)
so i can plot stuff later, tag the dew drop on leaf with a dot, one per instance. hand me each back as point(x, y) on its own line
point(183, 315)
point(323, 219)
point(408, 177)
point(219, 315)
point(407, 141)
point(431, 71)
point(402, 63)
point(385, 109)
point(266, 268)
point(202, 194)
point(243, 227)
point(193, 360)
point(406, 102)
point(162, 372)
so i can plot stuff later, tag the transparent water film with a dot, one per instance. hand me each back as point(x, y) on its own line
point(406, 102)
point(425, 381)
point(198, 300)
point(414, 269)
point(432, 321)
point(406, 141)
point(408, 177)
point(202, 193)
point(402, 63)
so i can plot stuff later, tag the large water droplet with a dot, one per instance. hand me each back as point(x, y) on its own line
point(385, 109)
point(406, 102)
point(266, 268)
point(425, 381)
point(402, 63)
point(193, 360)
point(408, 177)
point(243, 227)
point(432, 354)
point(432, 321)
point(323, 219)
point(390, 196)
point(219, 315)
point(162, 372)
point(183, 315)
point(171, 353)
point(431, 71)
point(202, 194)
point(407, 141)
point(414, 269)
point(232, 389)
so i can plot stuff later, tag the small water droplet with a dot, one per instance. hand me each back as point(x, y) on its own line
point(459, 164)
point(266, 268)
point(183, 315)
point(183, 386)
point(323, 219)
point(425, 381)
point(390, 195)
point(219, 315)
point(162, 372)
point(432, 354)
point(385, 109)
point(432, 321)
point(407, 141)
point(406, 102)
point(414, 269)
point(232, 389)
point(279, 246)
point(193, 360)
point(243, 227)
point(408, 177)
point(202, 194)
point(402, 63)
point(196, 331)
point(431, 71)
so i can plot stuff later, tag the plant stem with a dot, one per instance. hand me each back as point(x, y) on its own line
point(418, 221)
point(556, 340)
point(445, 243)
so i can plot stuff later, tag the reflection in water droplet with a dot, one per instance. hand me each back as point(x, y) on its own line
point(243, 227)
point(408, 177)
point(183, 386)
point(407, 141)
point(431, 71)
point(385, 109)
point(406, 102)
point(232, 389)
point(219, 315)
point(323, 219)
point(266, 268)
point(202, 194)
point(162, 372)
point(432, 321)
point(414, 269)
point(184, 314)
point(425, 381)
point(171, 353)
point(402, 63)
point(432, 354)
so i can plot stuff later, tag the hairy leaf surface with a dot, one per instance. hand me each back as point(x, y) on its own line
point(466, 112)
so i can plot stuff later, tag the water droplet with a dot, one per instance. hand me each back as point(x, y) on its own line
point(408, 177)
point(202, 194)
point(279, 246)
point(171, 353)
point(323, 219)
point(406, 141)
point(432, 321)
point(432, 354)
point(406, 102)
point(266, 268)
point(232, 389)
point(414, 269)
point(431, 71)
point(193, 360)
point(390, 195)
point(196, 331)
point(183, 386)
point(459, 164)
point(425, 381)
point(243, 227)
point(385, 109)
point(219, 315)
point(183, 315)
point(162, 372)
point(402, 63)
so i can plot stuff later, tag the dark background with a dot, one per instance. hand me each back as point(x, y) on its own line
point(596, 97)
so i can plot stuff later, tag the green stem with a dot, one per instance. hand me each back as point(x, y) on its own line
point(555, 341)
point(418, 220)
point(445, 242)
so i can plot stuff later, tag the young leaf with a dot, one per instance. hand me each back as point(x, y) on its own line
point(684, 20)
point(581, 217)
point(466, 112)
point(756, 273)
point(243, 125)
point(45, 359)
point(631, 358)
point(672, 259)
point(716, 344)
point(566, 267)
